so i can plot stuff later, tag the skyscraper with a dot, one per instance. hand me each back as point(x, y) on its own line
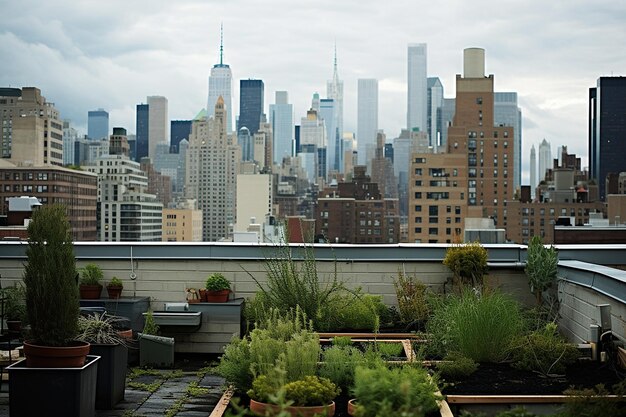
point(607, 129)
point(158, 123)
point(220, 84)
point(141, 140)
point(98, 124)
point(281, 119)
point(334, 90)
point(70, 136)
point(434, 105)
point(329, 113)
point(367, 120)
point(250, 104)
point(545, 159)
point(507, 113)
point(417, 87)
point(533, 171)
point(179, 130)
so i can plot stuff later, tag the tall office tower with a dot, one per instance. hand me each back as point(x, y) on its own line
point(607, 129)
point(266, 132)
point(447, 114)
point(434, 106)
point(349, 152)
point(246, 142)
point(179, 130)
point(334, 90)
point(367, 120)
point(209, 177)
point(98, 124)
point(142, 127)
point(126, 211)
point(250, 105)
point(220, 84)
point(70, 136)
point(158, 123)
point(488, 148)
point(417, 87)
point(281, 119)
point(382, 170)
point(312, 138)
point(545, 159)
point(119, 142)
point(254, 200)
point(507, 113)
point(533, 171)
point(329, 113)
point(32, 131)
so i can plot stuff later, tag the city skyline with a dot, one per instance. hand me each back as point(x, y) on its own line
point(550, 54)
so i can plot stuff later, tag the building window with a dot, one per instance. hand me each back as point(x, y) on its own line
point(433, 220)
point(433, 210)
point(479, 100)
point(418, 208)
point(418, 195)
point(433, 231)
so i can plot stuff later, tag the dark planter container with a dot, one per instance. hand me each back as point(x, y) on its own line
point(157, 351)
point(111, 374)
point(53, 392)
point(90, 292)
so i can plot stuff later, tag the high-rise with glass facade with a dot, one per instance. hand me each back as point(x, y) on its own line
point(250, 104)
point(417, 87)
point(220, 85)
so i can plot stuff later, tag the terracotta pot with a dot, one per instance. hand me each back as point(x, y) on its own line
point(114, 291)
point(203, 294)
point(217, 296)
point(126, 334)
point(90, 292)
point(351, 407)
point(72, 356)
point(263, 409)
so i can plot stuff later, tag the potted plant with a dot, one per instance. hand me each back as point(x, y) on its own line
point(90, 277)
point(154, 350)
point(100, 330)
point(57, 371)
point(14, 307)
point(309, 396)
point(468, 263)
point(218, 288)
point(115, 287)
point(380, 391)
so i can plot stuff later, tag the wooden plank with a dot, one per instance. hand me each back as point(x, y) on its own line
point(222, 404)
point(511, 399)
point(371, 335)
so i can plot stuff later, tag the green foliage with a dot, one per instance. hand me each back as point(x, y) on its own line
point(50, 278)
point(591, 402)
point(468, 262)
point(14, 302)
point(480, 327)
point(91, 274)
point(194, 390)
point(99, 329)
point(456, 366)
point(235, 364)
point(217, 282)
point(339, 363)
point(294, 282)
point(342, 341)
point(150, 326)
point(541, 267)
point(407, 391)
point(354, 311)
point(411, 296)
point(115, 282)
point(515, 412)
point(311, 390)
point(544, 351)
point(389, 349)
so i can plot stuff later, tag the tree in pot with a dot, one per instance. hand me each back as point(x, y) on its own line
point(218, 288)
point(51, 291)
point(115, 287)
point(90, 277)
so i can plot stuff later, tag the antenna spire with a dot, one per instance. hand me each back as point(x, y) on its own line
point(335, 66)
point(221, 43)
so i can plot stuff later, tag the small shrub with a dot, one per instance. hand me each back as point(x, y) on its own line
point(115, 282)
point(339, 363)
point(100, 328)
point(150, 326)
point(342, 341)
point(311, 390)
point(91, 274)
point(217, 282)
point(407, 391)
point(456, 366)
point(590, 402)
point(354, 311)
point(468, 263)
point(544, 351)
point(541, 267)
point(412, 303)
point(235, 364)
point(389, 350)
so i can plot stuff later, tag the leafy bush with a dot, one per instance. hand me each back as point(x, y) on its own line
point(150, 326)
point(342, 341)
point(456, 366)
point(389, 350)
point(541, 267)
point(217, 282)
point(480, 327)
point(91, 274)
point(544, 351)
point(50, 278)
point(412, 303)
point(235, 364)
point(354, 311)
point(14, 302)
point(115, 282)
point(311, 390)
point(339, 363)
point(468, 262)
point(591, 402)
point(407, 391)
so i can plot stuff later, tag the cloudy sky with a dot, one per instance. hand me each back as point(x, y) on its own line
point(112, 54)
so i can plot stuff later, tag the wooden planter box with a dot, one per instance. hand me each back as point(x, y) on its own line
point(53, 392)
